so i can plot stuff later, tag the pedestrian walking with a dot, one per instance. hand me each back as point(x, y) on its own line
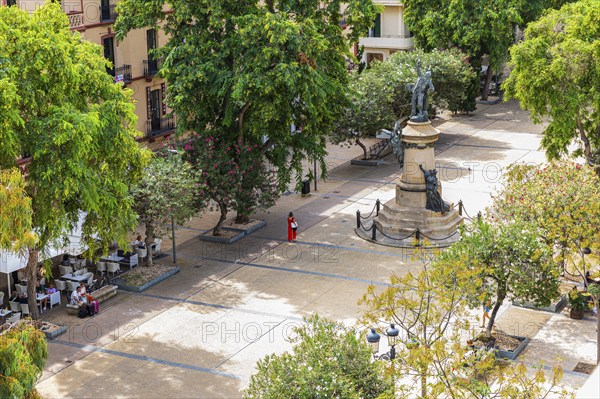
point(292, 227)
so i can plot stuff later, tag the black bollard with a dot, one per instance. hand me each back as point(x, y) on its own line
point(358, 219)
point(377, 205)
point(374, 232)
point(460, 207)
point(418, 234)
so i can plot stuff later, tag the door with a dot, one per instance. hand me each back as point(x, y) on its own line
point(151, 43)
point(377, 27)
point(155, 109)
point(109, 54)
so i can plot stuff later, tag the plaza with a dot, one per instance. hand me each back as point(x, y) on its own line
point(200, 333)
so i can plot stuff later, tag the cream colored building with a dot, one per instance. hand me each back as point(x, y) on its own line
point(388, 34)
point(132, 63)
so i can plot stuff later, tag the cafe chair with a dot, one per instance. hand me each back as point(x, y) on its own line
point(21, 289)
point(112, 267)
point(65, 270)
point(1, 298)
point(101, 267)
point(72, 286)
point(13, 319)
point(25, 309)
point(15, 306)
point(60, 285)
point(78, 273)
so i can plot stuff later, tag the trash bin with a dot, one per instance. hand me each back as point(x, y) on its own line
point(306, 187)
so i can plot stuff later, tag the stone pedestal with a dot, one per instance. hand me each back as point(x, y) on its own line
point(405, 213)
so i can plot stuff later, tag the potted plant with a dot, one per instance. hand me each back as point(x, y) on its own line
point(579, 303)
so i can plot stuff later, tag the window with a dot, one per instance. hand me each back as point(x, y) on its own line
point(109, 54)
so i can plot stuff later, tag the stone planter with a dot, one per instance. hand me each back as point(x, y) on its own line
point(240, 233)
point(576, 314)
point(131, 288)
point(554, 307)
point(512, 355)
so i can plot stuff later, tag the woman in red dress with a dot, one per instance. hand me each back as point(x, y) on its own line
point(292, 227)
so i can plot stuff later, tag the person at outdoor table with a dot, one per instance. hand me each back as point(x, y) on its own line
point(138, 243)
point(40, 289)
point(22, 298)
point(83, 291)
point(14, 297)
point(51, 289)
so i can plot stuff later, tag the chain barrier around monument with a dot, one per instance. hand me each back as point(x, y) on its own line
point(417, 233)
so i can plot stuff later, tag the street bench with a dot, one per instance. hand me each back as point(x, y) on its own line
point(101, 295)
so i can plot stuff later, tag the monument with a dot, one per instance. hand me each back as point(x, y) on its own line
point(418, 203)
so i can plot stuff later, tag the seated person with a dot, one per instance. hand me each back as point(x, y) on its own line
point(40, 289)
point(138, 243)
point(83, 288)
point(51, 289)
point(92, 305)
point(22, 299)
point(14, 297)
point(76, 298)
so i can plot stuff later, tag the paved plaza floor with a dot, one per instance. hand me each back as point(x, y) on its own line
point(199, 333)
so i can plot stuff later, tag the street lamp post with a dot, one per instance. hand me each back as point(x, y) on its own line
point(373, 339)
point(169, 151)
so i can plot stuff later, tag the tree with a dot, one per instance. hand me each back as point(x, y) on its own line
point(248, 71)
point(508, 260)
point(231, 177)
point(166, 191)
point(379, 96)
point(432, 359)
point(23, 354)
point(76, 124)
point(327, 361)
point(563, 199)
point(555, 75)
point(15, 212)
point(425, 308)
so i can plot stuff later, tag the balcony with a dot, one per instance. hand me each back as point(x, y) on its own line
point(151, 67)
point(123, 74)
point(75, 19)
point(158, 127)
point(107, 13)
point(388, 42)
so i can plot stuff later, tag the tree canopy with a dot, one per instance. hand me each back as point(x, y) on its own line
point(77, 126)
point(15, 212)
point(165, 191)
point(248, 71)
point(556, 74)
point(23, 354)
point(379, 96)
point(327, 361)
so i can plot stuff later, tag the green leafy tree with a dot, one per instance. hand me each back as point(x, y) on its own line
point(76, 124)
point(327, 361)
point(247, 71)
point(23, 354)
point(379, 96)
point(167, 190)
point(563, 199)
point(15, 212)
point(433, 360)
point(476, 27)
point(502, 260)
point(556, 74)
point(231, 177)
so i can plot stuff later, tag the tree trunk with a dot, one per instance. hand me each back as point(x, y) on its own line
point(423, 385)
point(242, 218)
point(149, 242)
point(217, 228)
point(587, 148)
point(596, 303)
point(31, 274)
point(486, 85)
point(499, 300)
point(361, 145)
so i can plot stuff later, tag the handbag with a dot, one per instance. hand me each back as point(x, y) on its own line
point(294, 225)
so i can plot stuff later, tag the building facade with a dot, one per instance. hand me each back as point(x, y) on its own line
point(388, 34)
point(133, 63)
